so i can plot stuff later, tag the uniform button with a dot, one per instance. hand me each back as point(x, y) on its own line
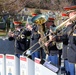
point(69, 41)
point(68, 44)
point(67, 47)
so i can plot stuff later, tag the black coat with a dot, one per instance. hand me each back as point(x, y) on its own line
point(70, 42)
point(52, 48)
point(52, 45)
point(33, 40)
point(72, 48)
point(20, 43)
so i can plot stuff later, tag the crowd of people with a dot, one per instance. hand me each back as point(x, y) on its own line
point(68, 38)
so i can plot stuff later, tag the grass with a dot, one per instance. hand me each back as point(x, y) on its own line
point(3, 33)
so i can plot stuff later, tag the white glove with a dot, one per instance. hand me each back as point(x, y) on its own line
point(28, 52)
point(46, 56)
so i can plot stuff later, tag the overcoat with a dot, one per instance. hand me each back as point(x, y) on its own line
point(20, 43)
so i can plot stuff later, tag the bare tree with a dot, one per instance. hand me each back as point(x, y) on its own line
point(14, 6)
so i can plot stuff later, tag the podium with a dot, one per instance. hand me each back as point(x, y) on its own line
point(2, 64)
point(42, 70)
point(12, 63)
point(27, 66)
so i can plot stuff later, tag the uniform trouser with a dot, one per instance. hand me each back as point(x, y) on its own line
point(42, 54)
point(69, 67)
point(75, 69)
point(66, 65)
point(35, 54)
point(53, 59)
point(72, 68)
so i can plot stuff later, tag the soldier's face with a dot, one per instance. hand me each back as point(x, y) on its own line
point(48, 24)
point(72, 14)
point(18, 27)
point(29, 27)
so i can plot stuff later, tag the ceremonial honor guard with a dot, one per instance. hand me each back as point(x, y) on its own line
point(53, 51)
point(71, 55)
point(68, 39)
point(64, 49)
point(35, 36)
point(34, 50)
point(19, 35)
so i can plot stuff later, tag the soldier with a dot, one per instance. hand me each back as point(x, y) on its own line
point(71, 55)
point(34, 39)
point(19, 35)
point(64, 50)
point(35, 36)
point(53, 51)
point(69, 39)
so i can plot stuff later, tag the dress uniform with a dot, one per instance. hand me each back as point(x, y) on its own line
point(71, 55)
point(64, 50)
point(19, 35)
point(33, 40)
point(71, 47)
point(64, 39)
point(53, 51)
